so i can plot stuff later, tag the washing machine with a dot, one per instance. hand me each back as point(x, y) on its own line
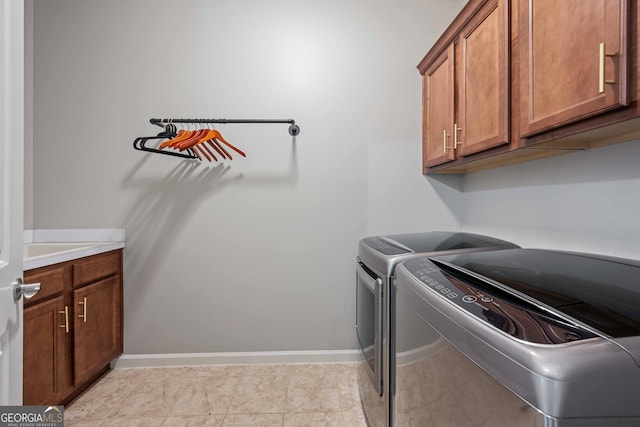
point(516, 338)
point(375, 265)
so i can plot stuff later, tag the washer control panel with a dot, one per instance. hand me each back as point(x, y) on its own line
point(510, 314)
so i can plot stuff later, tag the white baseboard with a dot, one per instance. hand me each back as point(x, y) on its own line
point(233, 358)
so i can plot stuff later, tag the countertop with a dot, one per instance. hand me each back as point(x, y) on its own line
point(47, 247)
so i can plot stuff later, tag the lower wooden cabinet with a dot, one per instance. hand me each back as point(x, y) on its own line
point(97, 339)
point(72, 330)
point(45, 352)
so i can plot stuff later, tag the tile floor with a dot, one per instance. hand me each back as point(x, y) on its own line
point(286, 395)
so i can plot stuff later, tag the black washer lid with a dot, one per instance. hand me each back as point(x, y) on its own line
point(431, 241)
point(602, 292)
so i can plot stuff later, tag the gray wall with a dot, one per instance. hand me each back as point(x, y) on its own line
point(253, 254)
point(585, 201)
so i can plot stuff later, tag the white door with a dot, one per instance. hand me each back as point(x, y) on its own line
point(11, 193)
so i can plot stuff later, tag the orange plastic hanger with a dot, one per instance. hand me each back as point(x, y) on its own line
point(189, 142)
point(193, 140)
point(197, 154)
point(215, 141)
point(215, 147)
point(182, 134)
point(237, 150)
point(197, 140)
point(204, 153)
point(210, 134)
point(216, 135)
point(208, 151)
point(204, 150)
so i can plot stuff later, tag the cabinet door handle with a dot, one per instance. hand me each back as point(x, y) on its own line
point(444, 141)
point(601, 57)
point(66, 319)
point(456, 142)
point(83, 316)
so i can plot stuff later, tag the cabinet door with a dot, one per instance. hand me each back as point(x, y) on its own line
point(96, 327)
point(573, 59)
point(437, 110)
point(483, 81)
point(44, 352)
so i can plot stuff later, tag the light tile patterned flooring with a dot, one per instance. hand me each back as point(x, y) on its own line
point(283, 395)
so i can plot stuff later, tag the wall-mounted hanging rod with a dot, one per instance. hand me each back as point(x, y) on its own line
point(294, 129)
point(193, 146)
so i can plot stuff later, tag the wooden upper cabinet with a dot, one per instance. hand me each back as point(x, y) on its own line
point(438, 110)
point(508, 76)
point(573, 61)
point(466, 86)
point(482, 118)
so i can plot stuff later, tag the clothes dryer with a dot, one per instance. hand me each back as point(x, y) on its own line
point(375, 266)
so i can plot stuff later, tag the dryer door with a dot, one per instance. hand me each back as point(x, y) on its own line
point(369, 321)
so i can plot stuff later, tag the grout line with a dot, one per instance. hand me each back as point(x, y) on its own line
point(233, 396)
point(175, 402)
point(121, 401)
point(286, 397)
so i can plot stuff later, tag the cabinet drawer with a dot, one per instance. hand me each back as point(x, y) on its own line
point(95, 268)
point(51, 283)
